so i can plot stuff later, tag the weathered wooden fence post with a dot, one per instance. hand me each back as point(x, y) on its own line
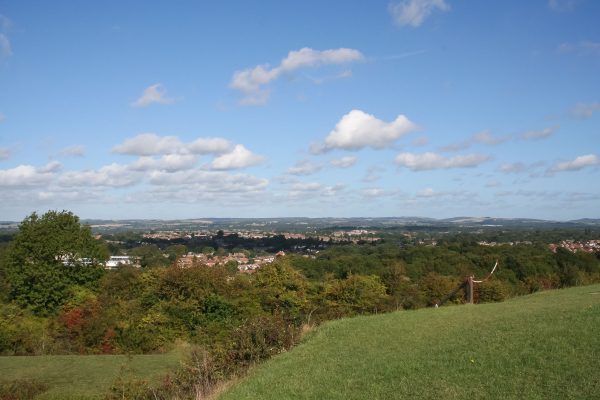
point(470, 288)
point(468, 284)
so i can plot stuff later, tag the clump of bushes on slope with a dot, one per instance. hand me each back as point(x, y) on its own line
point(21, 390)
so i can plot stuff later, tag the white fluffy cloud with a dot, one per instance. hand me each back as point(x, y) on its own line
point(307, 186)
point(306, 191)
point(210, 146)
point(304, 167)
point(63, 195)
point(252, 82)
point(357, 130)
point(429, 161)
point(577, 164)
point(209, 181)
point(155, 94)
point(239, 157)
point(28, 175)
point(228, 155)
point(148, 144)
point(113, 175)
point(307, 57)
point(168, 162)
point(414, 12)
point(199, 186)
point(344, 162)
point(51, 167)
point(166, 170)
point(432, 196)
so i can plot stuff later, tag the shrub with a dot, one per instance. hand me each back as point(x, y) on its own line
point(83, 326)
point(435, 287)
point(261, 338)
point(21, 389)
point(355, 294)
point(130, 388)
point(196, 378)
point(21, 333)
point(491, 291)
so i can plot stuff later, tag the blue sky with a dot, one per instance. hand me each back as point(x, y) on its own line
point(437, 108)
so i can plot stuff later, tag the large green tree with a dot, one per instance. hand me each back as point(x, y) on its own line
point(48, 257)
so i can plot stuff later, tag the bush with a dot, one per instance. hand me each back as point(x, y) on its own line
point(203, 371)
point(491, 291)
point(196, 378)
point(435, 287)
point(21, 333)
point(83, 327)
point(409, 298)
point(21, 389)
point(261, 338)
point(130, 388)
point(354, 295)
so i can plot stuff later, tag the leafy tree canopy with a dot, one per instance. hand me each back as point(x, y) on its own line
point(48, 256)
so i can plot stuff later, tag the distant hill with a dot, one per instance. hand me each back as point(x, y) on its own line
point(302, 224)
point(587, 221)
point(543, 346)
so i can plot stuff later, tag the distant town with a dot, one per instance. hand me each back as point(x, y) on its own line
point(246, 262)
point(589, 246)
point(350, 236)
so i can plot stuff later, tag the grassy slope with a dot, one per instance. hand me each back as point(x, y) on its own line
point(543, 346)
point(84, 377)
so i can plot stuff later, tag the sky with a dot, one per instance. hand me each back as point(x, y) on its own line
point(188, 109)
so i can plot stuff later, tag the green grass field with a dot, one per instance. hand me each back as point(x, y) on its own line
point(84, 377)
point(543, 346)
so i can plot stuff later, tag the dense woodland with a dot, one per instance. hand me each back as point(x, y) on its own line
point(51, 303)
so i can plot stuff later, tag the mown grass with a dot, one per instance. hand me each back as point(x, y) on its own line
point(543, 346)
point(84, 377)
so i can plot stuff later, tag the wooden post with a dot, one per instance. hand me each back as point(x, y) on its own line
point(470, 289)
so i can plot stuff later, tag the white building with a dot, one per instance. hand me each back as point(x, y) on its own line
point(69, 261)
point(117, 261)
